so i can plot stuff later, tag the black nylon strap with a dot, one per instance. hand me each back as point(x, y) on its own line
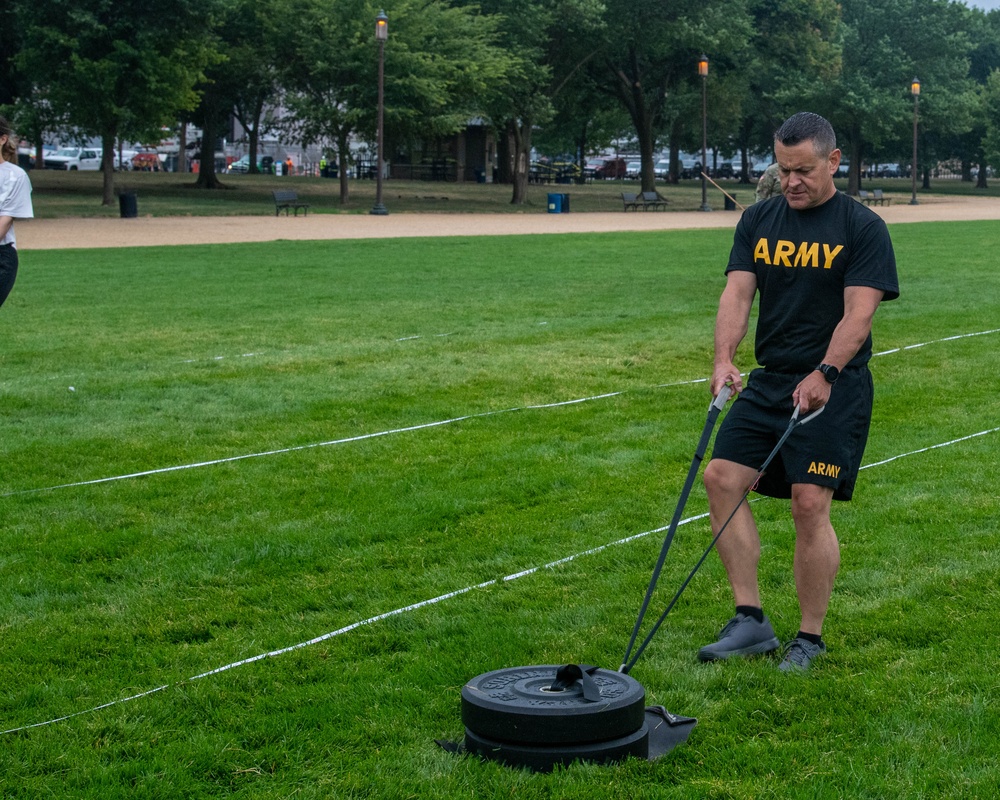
point(569, 674)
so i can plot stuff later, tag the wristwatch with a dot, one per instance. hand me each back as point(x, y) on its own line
point(830, 372)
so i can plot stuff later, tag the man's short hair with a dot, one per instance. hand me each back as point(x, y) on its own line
point(806, 126)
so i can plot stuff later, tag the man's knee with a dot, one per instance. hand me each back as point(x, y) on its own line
point(725, 477)
point(810, 503)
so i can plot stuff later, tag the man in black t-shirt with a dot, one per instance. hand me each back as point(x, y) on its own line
point(822, 263)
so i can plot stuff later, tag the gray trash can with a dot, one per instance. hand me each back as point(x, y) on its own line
point(128, 205)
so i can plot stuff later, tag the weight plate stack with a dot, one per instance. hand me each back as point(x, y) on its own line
point(522, 716)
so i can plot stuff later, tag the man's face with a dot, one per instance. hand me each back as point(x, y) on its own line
point(806, 176)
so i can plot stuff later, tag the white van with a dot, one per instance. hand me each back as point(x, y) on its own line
point(74, 158)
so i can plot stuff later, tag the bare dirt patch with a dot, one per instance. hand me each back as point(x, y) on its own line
point(48, 234)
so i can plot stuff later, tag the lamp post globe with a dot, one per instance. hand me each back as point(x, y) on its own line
point(703, 72)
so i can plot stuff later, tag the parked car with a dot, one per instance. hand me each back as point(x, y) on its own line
point(242, 165)
point(74, 158)
point(690, 168)
point(633, 169)
point(605, 168)
point(662, 168)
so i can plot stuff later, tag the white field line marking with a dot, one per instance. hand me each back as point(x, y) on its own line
point(346, 440)
point(935, 341)
point(219, 358)
point(423, 426)
point(435, 600)
point(931, 447)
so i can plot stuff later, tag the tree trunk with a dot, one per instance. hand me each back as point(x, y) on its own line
point(504, 159)
point(981, 180)
point(108, 168)
point(207, 179)
point(182, 141)
point(647, 169)
point(522, 160)
point(630, 92)
point(581, 149)
point(344, 163)
point(857, 152)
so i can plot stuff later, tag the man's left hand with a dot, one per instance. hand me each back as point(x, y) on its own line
point(812, 393)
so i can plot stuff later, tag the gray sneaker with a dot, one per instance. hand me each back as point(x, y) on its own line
point(798, 654)
point(741, 636)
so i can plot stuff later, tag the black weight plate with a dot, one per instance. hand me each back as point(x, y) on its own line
point(515, 705)
point(541, 758)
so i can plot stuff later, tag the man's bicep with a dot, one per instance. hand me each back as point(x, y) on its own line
point(741, 286)
point(862, 301)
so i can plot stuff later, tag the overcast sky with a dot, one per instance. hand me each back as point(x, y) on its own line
point(986, 5)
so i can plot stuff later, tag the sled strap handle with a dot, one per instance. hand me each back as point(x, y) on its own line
point(569, 674)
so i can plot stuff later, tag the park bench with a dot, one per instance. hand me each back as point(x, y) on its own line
point(630, 200)
point(880, 199)
point(288, 201)
point(652, 200)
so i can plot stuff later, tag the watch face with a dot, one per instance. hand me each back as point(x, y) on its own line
point(831, 373)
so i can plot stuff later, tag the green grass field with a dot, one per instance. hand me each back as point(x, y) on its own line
point(323, 435)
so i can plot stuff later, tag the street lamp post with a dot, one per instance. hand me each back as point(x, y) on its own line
point(915, 91)
point(703, 71)
point(381, 34)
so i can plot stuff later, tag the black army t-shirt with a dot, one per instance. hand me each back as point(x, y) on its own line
point(803, 260)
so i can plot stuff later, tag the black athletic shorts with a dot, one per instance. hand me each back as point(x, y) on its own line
point(825, 451)
point(8, 270)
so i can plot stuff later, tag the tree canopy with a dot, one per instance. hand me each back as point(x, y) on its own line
point(574, 74)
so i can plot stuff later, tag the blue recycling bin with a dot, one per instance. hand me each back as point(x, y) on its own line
point(555, 203)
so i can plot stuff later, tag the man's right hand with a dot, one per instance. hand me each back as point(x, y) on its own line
point(723, 374)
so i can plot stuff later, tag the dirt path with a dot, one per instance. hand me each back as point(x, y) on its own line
point(49, 234)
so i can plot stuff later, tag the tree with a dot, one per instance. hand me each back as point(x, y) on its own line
point(885, 44)
point(650, 64)
point(974, 146)
point(793, 46)
point(112, 68)
point(438, 62)
point(546, 42)
point(991, 107)
point(251, 31)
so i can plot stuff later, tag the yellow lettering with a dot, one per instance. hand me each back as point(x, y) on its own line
point(761, 252)
point(827, 470)
point(808, 255)
point(830, 254)
point(781, 253)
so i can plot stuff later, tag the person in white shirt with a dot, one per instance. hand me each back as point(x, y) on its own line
point(15, 203)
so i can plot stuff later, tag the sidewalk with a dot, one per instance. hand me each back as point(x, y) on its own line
point(49, 234)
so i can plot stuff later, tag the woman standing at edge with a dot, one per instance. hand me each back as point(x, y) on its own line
point(15, 203)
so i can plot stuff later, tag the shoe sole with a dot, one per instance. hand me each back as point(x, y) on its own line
point(760, 648)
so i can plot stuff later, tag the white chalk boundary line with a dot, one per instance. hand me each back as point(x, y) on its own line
point(422, 426)
point(347, 440)
point(434, 601)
